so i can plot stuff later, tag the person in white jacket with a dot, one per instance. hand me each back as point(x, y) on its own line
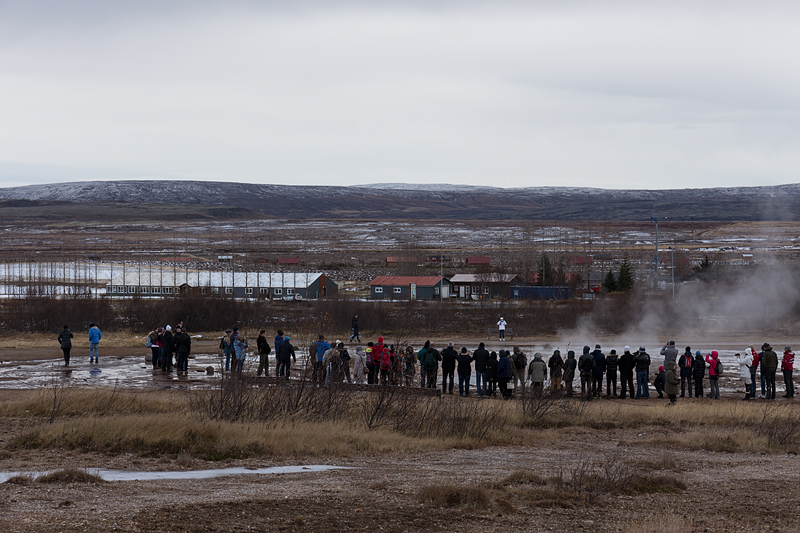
point(360, 366)
point(745, 362)
point(501, 326)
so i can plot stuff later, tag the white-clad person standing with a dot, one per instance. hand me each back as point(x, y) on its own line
point(501, 326)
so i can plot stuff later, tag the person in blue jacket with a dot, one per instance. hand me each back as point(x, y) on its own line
point(94, 341)
point(279, 368)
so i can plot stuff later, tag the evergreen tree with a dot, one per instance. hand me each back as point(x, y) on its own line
point(545, 271)
point(625, 278)
point(610, 282)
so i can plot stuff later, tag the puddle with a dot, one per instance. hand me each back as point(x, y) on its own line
point(124, 475)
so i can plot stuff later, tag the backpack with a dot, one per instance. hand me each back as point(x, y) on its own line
point(429, 359)
point(222, 343)
point(386, 361)
point(719, 368)
point(519, 360)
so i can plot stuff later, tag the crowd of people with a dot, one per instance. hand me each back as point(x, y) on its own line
point(679, 375)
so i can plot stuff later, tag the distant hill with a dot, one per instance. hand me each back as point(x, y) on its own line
point(187, 200)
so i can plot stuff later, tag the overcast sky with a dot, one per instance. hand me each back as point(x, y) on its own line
point(610, 94)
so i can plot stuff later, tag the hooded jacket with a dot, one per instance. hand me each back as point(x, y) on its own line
point(286, 352)
point(491, 374)
point(661, 378)
point(788, 361)
point(712, 360)
point(449, 359)
point(569, 367)
point(556, 363)
point(746, 362)
point(612, 362)
point(672, 381)
point(586, 362)
point(537, 369)
point(64, 338)
point(769, 360)
point(464, 363)
point(599, 363)
point(503, 366)
point(698, 367)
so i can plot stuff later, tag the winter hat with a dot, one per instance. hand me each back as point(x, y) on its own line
point(641, 349)
point(286, 338)
point(785, 348)
point(688, 349)
point(697, 352)
point(585, 349)
point(612, 352)
point(596, 346)
point(234, 329)
point(672, 343)
point(380, 340)
point(571, 353)
point(661, 368)
point(556, 352)
point(714, 354)
point(169, 328)
point(481, 345)
point(463, 350)
point(449, 344)
point(537, 355)
point(229, 330)
point(160, 329)
point(627, 348)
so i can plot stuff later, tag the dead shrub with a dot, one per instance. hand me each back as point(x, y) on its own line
point(70, 475)
point(453, 496)
point(524, 477)
point(780, 427)
point(651, 484)
point(666, 523)
point(20, 479)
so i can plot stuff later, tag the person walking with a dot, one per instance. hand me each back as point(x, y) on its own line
point(714, 372)
point(699, 372)
point(481, 358)
point(685, 366)
point(569, 372)
point(626, 364)
point(501, 327)
point(612, 361)
point(262, 344)
point(598, 371)
point(354, 326)
point(745, 365)
point(464, 360)
point(671, 382)
point(448, 367)
point(769, 365)
point(94, 341)
point(787, 367)
point(65, 338)
point(556, 366)
point(642, 360)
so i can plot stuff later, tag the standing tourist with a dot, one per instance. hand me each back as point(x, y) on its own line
point(481, 358)
point(464, 360)
point(627, 364)
point(285, 357)
point(168, 346)
point(685, 365)
point(153, 341)
point(556, 365)
point(787, 366)
point(538, 373)
point(586, 367)
point(360, 366)
point(183, 345)
point(240, 348)
point(714, 372)
point(670, 352)
point(569, 372)
point(503, 374)
point(642, 359)
point(519, 364)
point(409, 365)
point(226, 345)
point(699, 372)
point(612, 361)
point(753, 369)
point(671, 382)
point(448, 367)
point(263, 353)
point(277, 343)
point(65, 338)
point(598, 371)
point(745, 364)
point(491, 374)
point(320, 348)
point(501, 326)
point(94, 342)
point(769, 365)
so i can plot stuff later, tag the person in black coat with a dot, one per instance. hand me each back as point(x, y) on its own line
point(481, 358)
point(464, 371)
point(611, 372)
point(685, 364)
point(599, 370)
point(660, 381)
point(183, 345)
point(491, 375)
point(626, 363)
point(699, 372)
point(448, 367)
point(66, 343)
point(285, 356)
point(556, 366)
point(168, 346)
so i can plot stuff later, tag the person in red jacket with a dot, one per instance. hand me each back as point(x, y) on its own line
point(787, 366)
point(386, 365)
point(713, 373)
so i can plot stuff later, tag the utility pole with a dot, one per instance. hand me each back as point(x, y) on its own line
point(672, 251)
point(441, 272)
point(655, 265)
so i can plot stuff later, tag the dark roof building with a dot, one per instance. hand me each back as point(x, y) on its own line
point(409, 288)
